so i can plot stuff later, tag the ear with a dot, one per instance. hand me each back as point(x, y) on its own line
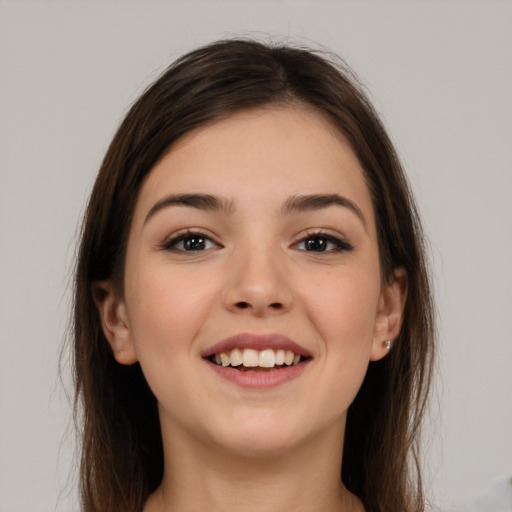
point(114, 321)
point(389, 314)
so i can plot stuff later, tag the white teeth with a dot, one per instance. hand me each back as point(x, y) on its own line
point(280, 356)
point(236, 357)
point(267, 358)
point(250, 358)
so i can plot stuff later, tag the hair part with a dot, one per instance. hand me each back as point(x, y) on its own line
point(121, 458)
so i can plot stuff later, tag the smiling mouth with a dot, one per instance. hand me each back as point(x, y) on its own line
point(252, 360)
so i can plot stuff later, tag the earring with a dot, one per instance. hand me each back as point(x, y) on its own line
point(387, 344)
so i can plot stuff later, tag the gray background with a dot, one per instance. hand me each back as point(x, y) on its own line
point(440, 73)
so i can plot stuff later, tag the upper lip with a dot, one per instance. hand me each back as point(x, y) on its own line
point(256, 342)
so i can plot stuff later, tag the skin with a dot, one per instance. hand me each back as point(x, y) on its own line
point(225, 447)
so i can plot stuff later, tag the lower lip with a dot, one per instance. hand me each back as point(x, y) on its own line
point(260, 379)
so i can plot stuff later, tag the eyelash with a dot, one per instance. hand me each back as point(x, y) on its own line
point(171, 244)
point(339, 244)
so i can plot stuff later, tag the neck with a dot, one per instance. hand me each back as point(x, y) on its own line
point(204, 477)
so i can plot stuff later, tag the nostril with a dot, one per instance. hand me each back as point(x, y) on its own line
point(246, 305)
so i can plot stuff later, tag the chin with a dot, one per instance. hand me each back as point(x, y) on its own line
point(258, 445)
point(260, 434)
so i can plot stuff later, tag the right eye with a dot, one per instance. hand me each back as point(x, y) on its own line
point(189, 242)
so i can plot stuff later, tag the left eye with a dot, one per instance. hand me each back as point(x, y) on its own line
point(190, 242)
point(323, 243)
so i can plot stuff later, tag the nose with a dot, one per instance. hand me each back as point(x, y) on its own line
point(258, 284)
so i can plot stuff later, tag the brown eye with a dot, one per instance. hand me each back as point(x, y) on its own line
point(194, 243)
point(316, 244)
point(323, 243)
point(189, 242)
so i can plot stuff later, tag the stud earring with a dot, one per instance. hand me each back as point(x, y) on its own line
point(387, 344)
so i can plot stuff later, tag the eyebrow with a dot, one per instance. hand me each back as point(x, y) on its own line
point(204, 202)
point(294, 204)
point(304, 203)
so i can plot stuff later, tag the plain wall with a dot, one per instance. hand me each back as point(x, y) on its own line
point(440, 73)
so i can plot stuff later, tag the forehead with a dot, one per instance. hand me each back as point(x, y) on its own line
point(260, 155)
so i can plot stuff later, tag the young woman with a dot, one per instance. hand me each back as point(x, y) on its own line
point(253, 320)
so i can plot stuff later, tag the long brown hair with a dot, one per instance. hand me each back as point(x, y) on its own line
point(121, 457)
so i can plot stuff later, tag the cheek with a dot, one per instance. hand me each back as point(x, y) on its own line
point(343, 308)
point(167, 308)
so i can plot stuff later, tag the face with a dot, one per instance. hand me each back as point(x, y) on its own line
point(253, 296)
